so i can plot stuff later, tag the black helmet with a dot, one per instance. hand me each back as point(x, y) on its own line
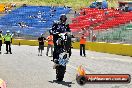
point(0, 31)
point(50, 31)
point(63, 16)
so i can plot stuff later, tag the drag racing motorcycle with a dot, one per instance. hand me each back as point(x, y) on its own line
point(60, 64)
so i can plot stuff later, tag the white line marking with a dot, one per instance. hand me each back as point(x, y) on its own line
point(75, 68)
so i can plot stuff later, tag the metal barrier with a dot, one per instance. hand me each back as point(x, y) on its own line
point(123, 34)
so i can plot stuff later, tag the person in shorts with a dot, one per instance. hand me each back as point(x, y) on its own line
point(41, 40)
point(50, 45)
point(1, 37)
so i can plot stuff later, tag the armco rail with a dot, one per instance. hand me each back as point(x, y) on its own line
point(113, 48)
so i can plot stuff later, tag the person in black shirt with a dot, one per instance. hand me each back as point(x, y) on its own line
point(68, 42)
point(57, 28)
point(41, 40)
point(22, 24)
point(1, 37)
point(62, 46)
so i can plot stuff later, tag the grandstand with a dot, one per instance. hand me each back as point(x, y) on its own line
point(108, 18)
point(102, 20)
point(38, 19)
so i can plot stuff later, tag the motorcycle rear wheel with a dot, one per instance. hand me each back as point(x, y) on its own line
point(60, 71)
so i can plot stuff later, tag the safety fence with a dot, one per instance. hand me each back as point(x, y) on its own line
point(122, 34)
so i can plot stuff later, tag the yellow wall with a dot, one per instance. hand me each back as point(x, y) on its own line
point(113, 48)
point(26, 42)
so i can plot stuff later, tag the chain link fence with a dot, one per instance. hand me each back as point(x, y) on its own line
point(122, 34)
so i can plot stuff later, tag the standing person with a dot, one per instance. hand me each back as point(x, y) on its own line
point(68, 42)
point(0, 40)
point(94, 38)
point(82, 45)
point(60, 54)
point(57, 28)
point(8, 41)
point(22, 24)
point(41, 40)
point(50, 44)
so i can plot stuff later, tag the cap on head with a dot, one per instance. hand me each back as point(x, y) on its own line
point(63, 17)
point(83, 28)
point(50, 32)
point(7, 31)
point(42, 34)
point(0, 31)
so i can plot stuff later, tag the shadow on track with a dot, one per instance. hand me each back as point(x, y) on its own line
point(68, 84)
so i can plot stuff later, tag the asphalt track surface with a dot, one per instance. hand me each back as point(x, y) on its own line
point(25, 69)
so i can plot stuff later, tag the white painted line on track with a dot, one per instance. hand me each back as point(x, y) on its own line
point(75, 68)
point(114, 59)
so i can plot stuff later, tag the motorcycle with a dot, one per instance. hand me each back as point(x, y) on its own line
point(60, 64)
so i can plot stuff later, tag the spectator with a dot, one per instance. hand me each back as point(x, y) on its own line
point(94, 38)
point(50, 44)
point(8, 41)
point(51, 15)
point(84, 13)
point(22, 24)
point(13, 5)
point(41, 40)
point(68, 42)
point(83, 30)
point(75, 14)
point(7, 9)
point(106, 12)
point(52, 10)
point(1, 37)
point(82, 45)
point(112, 8)
point(64, 7)
point(24, 5)
point(43, 20)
